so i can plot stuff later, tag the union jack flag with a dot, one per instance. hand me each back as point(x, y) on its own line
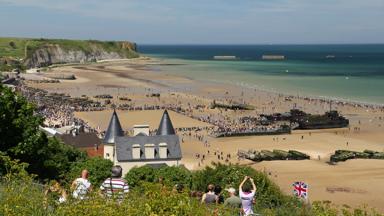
point(300, 189)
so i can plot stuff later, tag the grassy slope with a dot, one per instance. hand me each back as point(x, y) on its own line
point(6, 50)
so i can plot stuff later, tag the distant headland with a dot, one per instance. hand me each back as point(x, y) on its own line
point(23, 53)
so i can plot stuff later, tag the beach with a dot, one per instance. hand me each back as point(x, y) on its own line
point(354, 182)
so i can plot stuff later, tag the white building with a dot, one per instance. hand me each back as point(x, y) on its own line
point(142, 149)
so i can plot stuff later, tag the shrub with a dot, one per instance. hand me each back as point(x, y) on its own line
point(99, 169)
point(137, 175)
point(170, 175)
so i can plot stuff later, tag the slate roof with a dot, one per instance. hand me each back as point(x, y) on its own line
point(114, 129)
point(165, 127)
point(124, 147)
point(82, 140)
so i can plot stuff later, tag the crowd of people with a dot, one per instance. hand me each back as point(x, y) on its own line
point(116, 188)
point(58, 109)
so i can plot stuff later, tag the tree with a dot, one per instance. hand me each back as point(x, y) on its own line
point(12, 44)
point(20, 138)
point(99, 169)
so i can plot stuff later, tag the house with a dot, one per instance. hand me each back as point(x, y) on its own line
point(88, 142)
point(142, 148)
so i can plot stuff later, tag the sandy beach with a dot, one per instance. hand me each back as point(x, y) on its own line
point(354, 182)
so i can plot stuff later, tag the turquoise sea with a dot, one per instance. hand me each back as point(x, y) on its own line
point(348, 72)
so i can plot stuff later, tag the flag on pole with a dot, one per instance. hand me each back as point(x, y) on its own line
point(300, 189)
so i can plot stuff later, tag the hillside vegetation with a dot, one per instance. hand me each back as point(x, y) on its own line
point(42, 52)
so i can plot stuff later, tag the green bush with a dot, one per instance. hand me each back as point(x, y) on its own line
point(99, 169)
point(170, 175)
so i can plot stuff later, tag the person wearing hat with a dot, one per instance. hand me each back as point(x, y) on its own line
point(115, 187)
point(232, 201)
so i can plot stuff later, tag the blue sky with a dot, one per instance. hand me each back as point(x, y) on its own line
point(197, 21)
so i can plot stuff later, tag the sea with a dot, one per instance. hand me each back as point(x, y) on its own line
point(341, 72)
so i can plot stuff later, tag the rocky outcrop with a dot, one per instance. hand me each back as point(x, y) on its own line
point(49, 54)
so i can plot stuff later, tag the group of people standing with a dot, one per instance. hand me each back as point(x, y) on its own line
point(244, 202)
point(117, 188)
point(114, 187)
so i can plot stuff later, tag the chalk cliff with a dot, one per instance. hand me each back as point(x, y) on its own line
point(80, 51)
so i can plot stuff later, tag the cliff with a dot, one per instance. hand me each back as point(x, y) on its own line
point(45, 52)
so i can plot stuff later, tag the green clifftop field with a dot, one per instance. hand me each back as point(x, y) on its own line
point(19, 53)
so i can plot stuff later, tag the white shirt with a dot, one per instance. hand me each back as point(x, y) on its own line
point(82, 188)
point(247, 201)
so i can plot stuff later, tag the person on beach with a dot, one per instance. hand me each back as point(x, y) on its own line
point(209, 197)
point(115, 186)
point(81, 186)
point(246, 195)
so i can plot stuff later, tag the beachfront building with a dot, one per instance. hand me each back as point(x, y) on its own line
point(142, 148)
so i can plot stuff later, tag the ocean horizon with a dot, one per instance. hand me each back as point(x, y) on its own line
point(336, 71)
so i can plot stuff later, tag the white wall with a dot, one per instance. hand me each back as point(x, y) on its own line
point(109, 150)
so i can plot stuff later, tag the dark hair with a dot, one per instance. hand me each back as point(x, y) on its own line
point(217, 189)
point(117, 171)
point(247, 188)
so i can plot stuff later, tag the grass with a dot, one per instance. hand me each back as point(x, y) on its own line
point(18, 51)
point(16, 47)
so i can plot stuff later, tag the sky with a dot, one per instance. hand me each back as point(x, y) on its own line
point(197, 21)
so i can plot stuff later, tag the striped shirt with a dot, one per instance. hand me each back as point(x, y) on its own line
point(115, 188)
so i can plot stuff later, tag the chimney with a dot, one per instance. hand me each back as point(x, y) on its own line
point(149, 151)
point(136, 152)
point(163, 150)
point(141, 129)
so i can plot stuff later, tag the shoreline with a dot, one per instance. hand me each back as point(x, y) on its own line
point(259, 88)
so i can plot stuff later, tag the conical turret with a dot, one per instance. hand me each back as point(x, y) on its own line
point(114, 129)
point(165, 127)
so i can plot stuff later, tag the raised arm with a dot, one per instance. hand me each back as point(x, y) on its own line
point(242, 183)
point(253, 185)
